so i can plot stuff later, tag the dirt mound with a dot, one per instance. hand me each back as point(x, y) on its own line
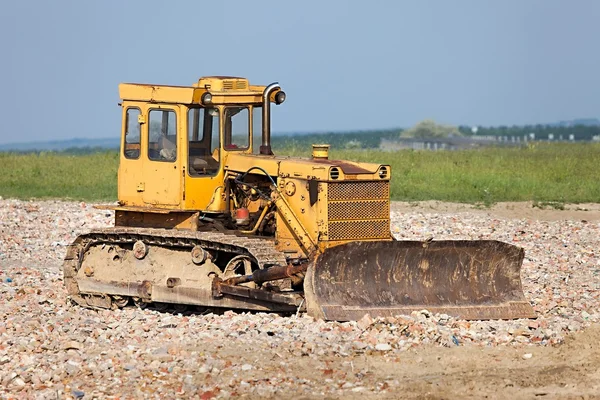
point(583, 346)
point(570, 370)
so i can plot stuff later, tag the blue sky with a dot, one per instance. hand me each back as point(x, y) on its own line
point(345, 65)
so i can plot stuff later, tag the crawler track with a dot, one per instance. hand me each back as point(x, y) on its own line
point(261, 251)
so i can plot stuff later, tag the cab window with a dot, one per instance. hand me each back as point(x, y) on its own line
point(162, 135)
point(237, 128)
point(131, 148)
point(203, 141)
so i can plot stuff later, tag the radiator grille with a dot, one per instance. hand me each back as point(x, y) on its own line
point(358, 190)
point(341, 210)
point(346, 230)
point(358, 210)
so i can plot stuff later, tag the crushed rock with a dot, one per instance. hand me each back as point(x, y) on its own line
point(51, 349)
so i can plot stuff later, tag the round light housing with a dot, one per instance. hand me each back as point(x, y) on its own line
point(383, 172)
point(280, 97)
point(334, 173)
point(206, 98)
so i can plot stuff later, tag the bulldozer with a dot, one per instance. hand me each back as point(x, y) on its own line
point(208, 217)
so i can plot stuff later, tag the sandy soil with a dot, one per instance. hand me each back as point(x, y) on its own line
point(568, 371)
point(512, 210)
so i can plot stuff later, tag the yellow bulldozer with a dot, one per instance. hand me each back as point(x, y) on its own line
point(208, 218)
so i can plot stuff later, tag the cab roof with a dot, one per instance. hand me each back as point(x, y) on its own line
point(224, 89)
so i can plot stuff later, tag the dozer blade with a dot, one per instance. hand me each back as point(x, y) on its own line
point(466, 279)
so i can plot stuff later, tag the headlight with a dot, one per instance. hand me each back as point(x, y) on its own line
point(206, 98)
point(280, 97)
point(383, 172)
point(334, 173)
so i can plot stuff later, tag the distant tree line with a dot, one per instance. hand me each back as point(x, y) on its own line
point(72, 151)
point(372, 139)
point(429, 129)
point(339, 140)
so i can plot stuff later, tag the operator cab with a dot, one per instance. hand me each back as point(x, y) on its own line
point(175, 139)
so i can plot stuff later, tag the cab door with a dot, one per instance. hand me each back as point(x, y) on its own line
point(131, 159)
point(162, 169)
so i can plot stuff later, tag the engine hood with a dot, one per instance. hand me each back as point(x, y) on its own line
point(303, 167)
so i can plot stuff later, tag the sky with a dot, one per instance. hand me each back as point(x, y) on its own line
point(344, 65)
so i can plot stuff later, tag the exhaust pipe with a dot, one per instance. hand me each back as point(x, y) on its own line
point(265, 147)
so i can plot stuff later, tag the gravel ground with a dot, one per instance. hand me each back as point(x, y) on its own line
point(51, 350)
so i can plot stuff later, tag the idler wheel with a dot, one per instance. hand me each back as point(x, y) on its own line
point(140, 250)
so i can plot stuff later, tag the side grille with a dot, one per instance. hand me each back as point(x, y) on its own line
point(358, 210)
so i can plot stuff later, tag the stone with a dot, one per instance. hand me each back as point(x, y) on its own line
point(18, 381)
point(365, 322)
point(246, 367)
point(359, 345)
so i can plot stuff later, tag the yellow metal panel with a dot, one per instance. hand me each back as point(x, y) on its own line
point(241, 162)
point(163, 180)
point(311, 168)
point(130, 174)
point(201, 192)
point(162, 183)
point(236, 98)
point(204, 193)
point(296, 194)
point(145, 182)
point(158, 93)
